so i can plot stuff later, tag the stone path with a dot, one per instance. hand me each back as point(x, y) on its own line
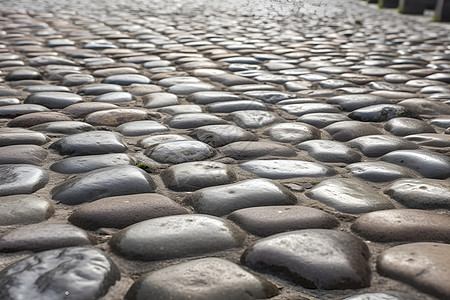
point(223, 150)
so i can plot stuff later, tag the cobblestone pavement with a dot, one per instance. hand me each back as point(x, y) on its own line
point(223, 150)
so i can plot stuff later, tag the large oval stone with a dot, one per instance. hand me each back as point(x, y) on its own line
point(313, 258)
point(220, 135)
point(250, 150)
point(383, 296)
point(86, 163)
point(22, 154)
point(283, 169)
point(378, 145)
point(24, 209)
point(176, 236)
point(202, 279)
point(137, 128)
point(330, 151)
point(54, 99)
point(101, 183)
point(37, 118)
point(51, 275)
point(293, 133)
point(346, 130)
point(180, 152)
point(19, 136)
point(250, 119)
point(115, 117)
point(21, 179)
point(224, 199)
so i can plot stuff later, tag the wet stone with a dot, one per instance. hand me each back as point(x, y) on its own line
point(122, 211)
point(115, 117)
point(407, 126)
point(349, 195)
point(19, 136)
point(50, 274)
point(425, 107)
point(313, 258)
point(220, 135)
point(12, 111)
point(224, 199)
point(24, 209)
point(159, 139)
point(77, 79)
point(23, 74)
point(9, 101)
point(126, 79)
point(270, 220)
point(330, 151)
point(193, 120)
point(54, 99)
point(141, 128)
point(268, 96)
point(440, 122)
point(429, 164)
point(50, 60)
point(380, 171)
point(63, 127)
point(347, 130)
point(86, 143)
point(104, 182)
point(249, 150)
point(352, 102)
point(211, 97)
point(293, 133)
point(180, 152)
point(403, 225)
point(99, 89)
point(22, 154)
point(283, 169)
point(33, 119)
point(249, 119)
point(295, 86)
point(192, 176)
point(181, 109)
point(321, 120)
point(421, 193)
point(176, 236)
point(378, 145)
point(383, 296)
point(114, 97)
point(87, 163)
point(335, 83)
point(307, 108)
point(114, 71)
point(430, 139)
point(206, 278)
point(80, 110)
point(156, 100)
point(380, 113)
point(231, 79)
point(424, 266)
point(21, 179)
point(190, 88)
point(40, 237)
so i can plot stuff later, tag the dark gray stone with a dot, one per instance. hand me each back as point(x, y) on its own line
point(379, 171)
point(330, 151)
point(180, 152)
point(231, 106)
point(12, 111)
point(21, 179)
point(430, 139)
point(23, 74)
point(211, 97)
point(307, 108)
point(141, 128)
point(82, 164)
point(24, 209)
point(271, 97)
point(321, 120)
point(126, 79)
point(36, 118)
point(425, 107)
point(99, 89)
point(250, 150)
point(63, 127)
point(220, 135)
point(115, 117)
point(407, 126)
point(22, 154)
point(293, 132)
point(283, 169)
point(80, 110)
point(378, 145)
point(346, 130)
point(54, 99)
point(352, 102)
point(249, 119)
point(380, 113)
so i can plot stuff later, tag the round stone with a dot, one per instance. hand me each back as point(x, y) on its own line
point(137, 128)
point(24, 209)
point(82, 164)
point(14, 110)
point(220, 135)
point(321, 120)
point(99, 89)
point(63, 127)
point(425, 107)
point(126, 79)
point(37, 118)
point(180, 152)
point(268, 96)
point(231, 106)
point(193, 120)
point(22, 154)
point(293, 132)
point(77, 79)
point(283, 169)
point(54, 99)
point(430, 139)
point(378, 145)
point(115, 117)
point(379, 171)
point(80, 110)
point(352, 102)
point(383, 296)
point(407, 126)
point(154, 140)
point(330, 151)
point(155, 100)
point(211, 97)
point(250, 119)
point(21, 179)
point(114, 97)
point(189, 88)
point(380, 113)
point(181, 109)
point(347, 130)
point(250, 150)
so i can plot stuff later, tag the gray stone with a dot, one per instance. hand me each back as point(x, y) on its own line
point(115, 117)
point(181, 109)
point(330, 151)
point(99, 89)
point(63, 127)
point(176, 236)
point(114, 71)
point(224, 199)
point(45, 60)
point(231, 106)
point(307, 108)
point(170, 81)
point(126, 79)
point(192, 176)
point(352, 102)
point(24, 209)
point(321, 120)
point(180, 152)
point(220, 135)
point(231, 79)
point(36, 118)
point(50, 275)
point(346, 130)
point(349, 195)
point(82, 164)
point(407, 126)
point(421, 193)
point(23, 74)
point(430, 139)
point(155, 100)
point(314, 258)
point(189, 88)
point(422, 265)
point(22, 154)
point(249, 119)
point(77, 79)
point(211, 97)
point(104, 182)
point(80, 110)
point(21, 179)
point(9, 101)
point(141, 128)
point(283, 169)
point(54, 99)
point(378, 145)
point(12, 111)
point(159, 139)
point(249, 150)
point(193, 120)
point(380, 113)
point(379, 171)
point(293, 132)
point(271, 97)
point(425, 107)
point(383, 296)
point(114, 97)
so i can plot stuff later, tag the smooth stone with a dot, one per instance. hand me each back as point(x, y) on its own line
point(54, 99)
point(114, 71)
point(271, 97)
point(382, 296)
point(421, 193)
point(295, 86)
point(80, 110)
point(122, 211)
point(378, 145)
point(444, 77)
point(379, 171)
point(424, 266)
point(202, 279)
point(104, 182)
point(180, 152)
point(9, 101)
point(224, 199)
point(156, 100)
point(23, 74)
point(429, 164)
point(154, 140)
point(335, 83)
point(308, 108)
point(231, 106)
point(270, 220)
point(181, 109)
point(193, 120)
point(283, 169)
point(141, 128)
point(19, 136)
point(77, 79)
point(330, 151)
point(114, 97)
point(252, 87)
point(33, 119)
point(115, 117)
point(176, 236)
point(347, 130)
point(313, 77)
point(99, 89)
point(170, 81)
point(45, 60)
point(408, 126)
point(349, 195)
point(250, 119)
point(190, 88)
point(403, 225)
point(87, 163)
point(240, 60)
point(425, 107)
point(220, 135)
point(126, 79)
point(15, 110)
point(440, 122)
point(192, 176)
point(86, 273)
point(22, 154)
point(430, 139)
point(249, 150)
point(352, 102)
point(21, 179)
point(231, 79)
point(321, 120)
point(40, 237)
point(293, 132)
point(380, 113)
point(63, 127)
point(313, 258)
point(24, 209)
point(211, 97)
